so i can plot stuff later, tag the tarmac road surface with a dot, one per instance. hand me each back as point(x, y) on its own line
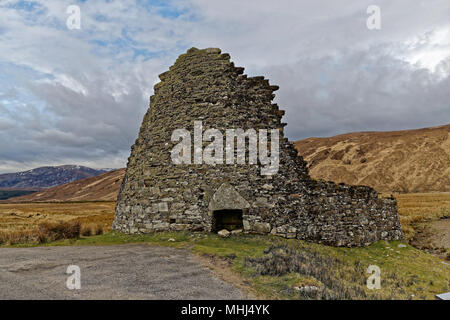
point(109, 272)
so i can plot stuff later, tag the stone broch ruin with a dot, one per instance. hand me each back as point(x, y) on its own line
point(158, 195)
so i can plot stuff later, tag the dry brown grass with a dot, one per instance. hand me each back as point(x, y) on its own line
point(43, 222)
point(52, 231)
point(45, 232)
point(415, 208)
point(91, 229)
point(21, 236)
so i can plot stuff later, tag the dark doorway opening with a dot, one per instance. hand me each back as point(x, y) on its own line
point(227, 219)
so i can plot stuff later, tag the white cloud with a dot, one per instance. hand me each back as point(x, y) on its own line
point(78, 96)
point(430, 49)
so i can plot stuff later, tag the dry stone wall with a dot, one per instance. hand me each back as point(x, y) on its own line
point(157, 195)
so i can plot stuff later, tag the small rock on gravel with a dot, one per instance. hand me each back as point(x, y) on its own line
point(224, 233)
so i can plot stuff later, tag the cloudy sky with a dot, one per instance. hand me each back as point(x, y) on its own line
point(77, 96)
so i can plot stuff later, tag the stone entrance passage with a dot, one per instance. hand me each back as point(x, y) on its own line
point(227, 219)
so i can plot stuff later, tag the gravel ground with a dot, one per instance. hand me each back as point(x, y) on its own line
point(441, 233)
point(109, 272)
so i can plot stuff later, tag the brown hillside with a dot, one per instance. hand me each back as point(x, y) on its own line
point(396, 161)
point(104, 187)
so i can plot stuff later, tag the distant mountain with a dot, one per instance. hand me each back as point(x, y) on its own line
point(396, 161)
point(46, 177)
point(7, 194)
point(109, 169)
point(104, 187)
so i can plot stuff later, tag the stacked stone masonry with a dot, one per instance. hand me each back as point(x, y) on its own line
point(158, 195)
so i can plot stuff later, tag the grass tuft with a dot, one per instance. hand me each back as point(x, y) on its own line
point(49, 232)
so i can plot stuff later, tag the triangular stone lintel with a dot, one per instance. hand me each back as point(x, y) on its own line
point(227, 198)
